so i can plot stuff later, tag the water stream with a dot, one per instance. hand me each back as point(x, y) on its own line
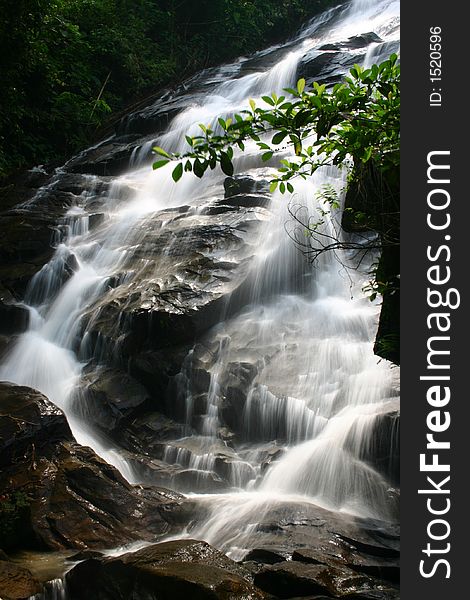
point(308, 330)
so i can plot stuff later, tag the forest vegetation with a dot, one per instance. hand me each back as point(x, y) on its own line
point(68, 67)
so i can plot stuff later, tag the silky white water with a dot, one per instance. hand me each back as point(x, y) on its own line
point(308, 329)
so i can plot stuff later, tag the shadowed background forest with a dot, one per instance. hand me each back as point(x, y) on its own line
point(68, 67)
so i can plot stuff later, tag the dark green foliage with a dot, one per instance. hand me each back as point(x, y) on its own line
point(13, 509)
point(65, 64)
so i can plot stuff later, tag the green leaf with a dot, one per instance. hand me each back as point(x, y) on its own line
point(266, 156)
point(190, 140)
point(160, 163)
point(301, 86)
point(278, 137)
point(291, 91)
point(273, 186)
point(367, 154)
point(198, 168)
point(222, 123)
point(252, 104)
point(282, 187)
point(160, 151)
point(268, 100)
point(290, 187)
point(226, 164)
point(177, 172)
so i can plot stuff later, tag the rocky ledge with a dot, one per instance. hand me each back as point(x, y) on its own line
point(57, 494)
point(304, 552)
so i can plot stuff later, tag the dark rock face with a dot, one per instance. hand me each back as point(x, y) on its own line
point(31, 229)
point(24, 249)
point(264, 556)
point(70, 497)
point(328, 554)
point(154, 118)
point(27, 418)
point(13, 318)
point(109, 395)
point(179, 569)
point(382, 449)
point(290, 579)
point(327, 65)
point(16, 583)
point(236, 385)
point(110, 157)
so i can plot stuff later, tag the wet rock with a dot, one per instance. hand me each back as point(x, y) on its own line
point(340, 546)
point(22, 187)
point(178, 569)
point(247, 200)
point(171, 306)
point(16, 583)
point(110, 157)
point(63, 495)
point(270, 456)
point(155, 369)
point(31, 229)
point(241, 184)
point(235, 385)
point(5, 345)
point(371, 546)
point(357, 41)
point(156, 117)
point(288, 579)
point(265, 556)
point(76, 500)
point(27, 419)
point(200, 381)
point(381, 568)
point(327, 66)
point(13, 318)
point(381, 447)
point(362, 41)
point(80, 183)
point(84, 555)
point(145, 433)
point(106, 396)
point(25, 247)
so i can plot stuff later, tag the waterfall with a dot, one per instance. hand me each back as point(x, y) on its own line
point(306, 330)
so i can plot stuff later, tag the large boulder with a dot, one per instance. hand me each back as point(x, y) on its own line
point(175, 569)
point(27, 419)
point(307, 551)
point(58, 494)
point(181, 292)
point(328, 65)
point(16, 582)
point(291, 579)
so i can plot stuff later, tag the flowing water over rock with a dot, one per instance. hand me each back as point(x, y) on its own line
point(250, 369)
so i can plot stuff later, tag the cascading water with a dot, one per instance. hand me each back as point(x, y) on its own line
point(304, 332)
